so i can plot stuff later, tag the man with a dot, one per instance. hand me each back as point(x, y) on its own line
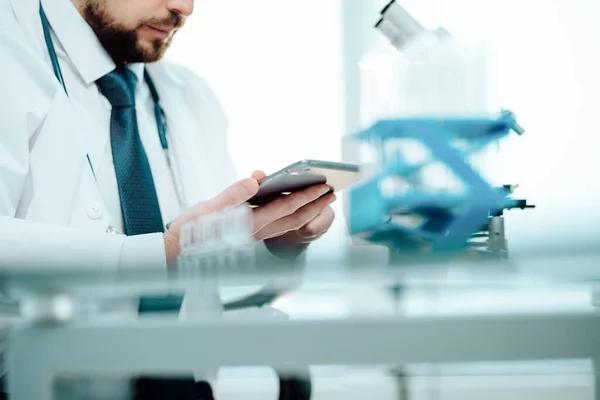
point(88, 176)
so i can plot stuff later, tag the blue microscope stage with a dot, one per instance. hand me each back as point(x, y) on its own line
point(448, 218)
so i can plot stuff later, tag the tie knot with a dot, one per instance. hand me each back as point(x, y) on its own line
point(118, 87)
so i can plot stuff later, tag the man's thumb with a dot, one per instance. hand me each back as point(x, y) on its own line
point(234, 195)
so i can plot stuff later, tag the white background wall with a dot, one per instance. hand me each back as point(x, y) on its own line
point(276, 67)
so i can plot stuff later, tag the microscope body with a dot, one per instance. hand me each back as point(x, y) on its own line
point(422, 190)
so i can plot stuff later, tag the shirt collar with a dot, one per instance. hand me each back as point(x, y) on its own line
point(138, 70)
point(79, 40)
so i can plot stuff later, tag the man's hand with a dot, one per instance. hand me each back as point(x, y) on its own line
point(298, 218)
point(307, 223)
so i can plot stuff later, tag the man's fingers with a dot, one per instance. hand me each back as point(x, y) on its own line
point(258, 175)
point(297, 220)
point(286, 205)
point(234, 195)
point(318, 225)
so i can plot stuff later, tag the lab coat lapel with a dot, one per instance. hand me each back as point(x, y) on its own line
point(96, 137)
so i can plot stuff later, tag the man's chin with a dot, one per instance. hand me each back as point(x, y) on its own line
point(151, 50)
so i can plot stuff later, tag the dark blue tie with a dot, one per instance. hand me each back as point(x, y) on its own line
point(139, 202)
point(137, 194)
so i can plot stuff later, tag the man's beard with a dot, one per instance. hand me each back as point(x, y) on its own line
point(121, 42)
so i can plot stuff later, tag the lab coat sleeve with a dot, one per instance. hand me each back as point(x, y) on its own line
point(34, 245)
point(145, 252)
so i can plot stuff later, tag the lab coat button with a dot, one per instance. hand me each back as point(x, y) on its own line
point(111, 229)
point(94, 211)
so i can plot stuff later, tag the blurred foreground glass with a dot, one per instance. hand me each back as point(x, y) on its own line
point(217, 242)
point(214, 246)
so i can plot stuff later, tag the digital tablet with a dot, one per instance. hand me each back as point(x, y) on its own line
point(302, 175)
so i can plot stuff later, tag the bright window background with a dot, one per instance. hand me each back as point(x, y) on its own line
point(276, 68)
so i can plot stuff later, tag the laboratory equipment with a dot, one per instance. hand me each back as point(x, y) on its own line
point(424, 189)
point(215, 244)
point(447, 219)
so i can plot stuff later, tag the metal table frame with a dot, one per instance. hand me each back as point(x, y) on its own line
point(37, 353)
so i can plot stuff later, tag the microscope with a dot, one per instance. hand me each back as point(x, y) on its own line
point(423, 191)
